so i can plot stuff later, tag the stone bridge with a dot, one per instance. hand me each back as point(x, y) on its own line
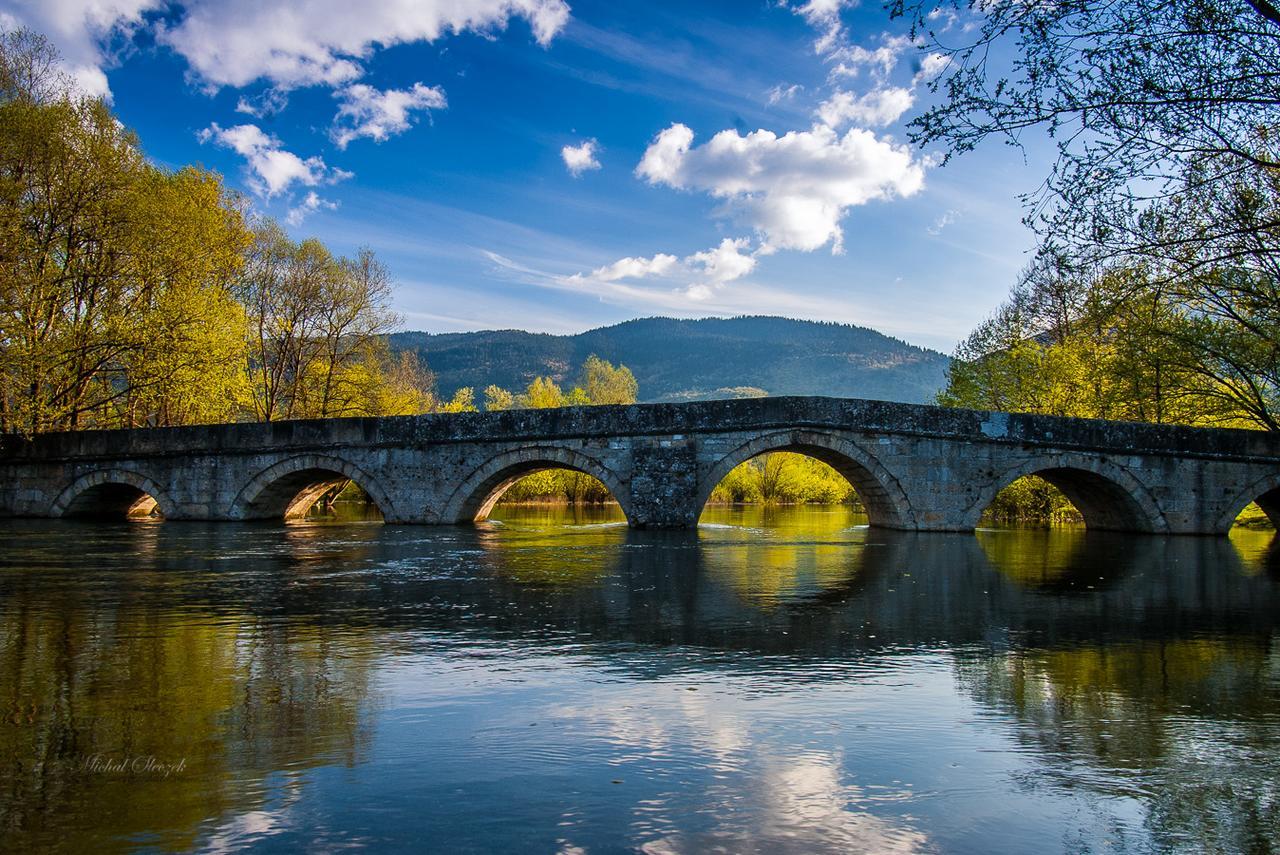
point(915, 467)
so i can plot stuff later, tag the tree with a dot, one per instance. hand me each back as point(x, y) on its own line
point(604, 384)
point(497, 399)
point(110, 268)
point(1095, 347)
point(315, 322)
point(1136, 93)
point(541, 394)
point(463, 401)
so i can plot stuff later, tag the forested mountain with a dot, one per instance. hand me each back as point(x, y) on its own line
point(683, 360)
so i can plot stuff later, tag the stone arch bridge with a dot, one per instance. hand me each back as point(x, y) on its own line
point(915, 467)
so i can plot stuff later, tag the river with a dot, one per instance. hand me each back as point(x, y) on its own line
point(782, 680)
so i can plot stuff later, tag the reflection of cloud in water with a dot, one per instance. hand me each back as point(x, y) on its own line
point(762, 794)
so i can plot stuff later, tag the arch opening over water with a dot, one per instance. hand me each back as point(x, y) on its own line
point(312, 488)
point(532, 475)
point(1256, 515)
point(1102, 501)
point(1256, 507)
point(113, 494)
point(113, 501)
point(799, 467)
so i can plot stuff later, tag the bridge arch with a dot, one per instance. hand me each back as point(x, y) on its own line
point(881, 494)
point(288, 489)
point(1106, 495)
point(112, 493)
point(480, 491)
point(1265, 491)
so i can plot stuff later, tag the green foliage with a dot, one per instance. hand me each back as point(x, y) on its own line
point(131, 295)
point(604, 384)
point(1031, 501)
point(496, 398)
point(612, 385)
point(782, 478)
point(463, 401)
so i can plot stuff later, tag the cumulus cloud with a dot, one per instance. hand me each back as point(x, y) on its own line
point(824, 16)
point(308, 206)
point(378, 114)
point(793, 189)
point(83, 30)
point(724, 263)
point(877, 108)
point(308, 42)
point(931, 65)
point(580, 158)
point(272, 169)
point(290, 45)
point(880, 61)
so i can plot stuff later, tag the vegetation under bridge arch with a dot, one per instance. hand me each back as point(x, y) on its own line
point(480, 491)
point(885, 501)
point(288, 489)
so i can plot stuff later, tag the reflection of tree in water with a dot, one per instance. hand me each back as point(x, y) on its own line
point(1063, 560)
point(232, 696)
point(1259, 550)
point(1195, 717)
point(247, 649)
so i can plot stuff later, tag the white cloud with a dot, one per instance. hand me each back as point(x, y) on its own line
point(702, 274)
point(308, 42)
point(301, 43)
point(778, 94)
point(308, 206)
point(877, 108)
point(82, 31)
point(931, 65)
point(272, 169)
point(378, 114)
point(880, 61)
point(265, 104)
point(633, 268)
point(793, 189)
point(946, 219)
point(581, 158)
point(824, 16)
point(724, 263)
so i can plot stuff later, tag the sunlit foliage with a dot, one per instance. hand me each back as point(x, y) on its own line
point(784, 478)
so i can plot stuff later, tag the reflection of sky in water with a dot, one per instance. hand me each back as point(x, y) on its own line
point(781, 680)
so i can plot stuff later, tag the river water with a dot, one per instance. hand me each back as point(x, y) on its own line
point(778, 681)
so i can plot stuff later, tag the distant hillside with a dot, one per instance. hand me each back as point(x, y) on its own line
point(686, 360)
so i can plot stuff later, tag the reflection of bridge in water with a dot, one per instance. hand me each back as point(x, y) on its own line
point(914, 467)
point(1095, 646)
point(873, 590)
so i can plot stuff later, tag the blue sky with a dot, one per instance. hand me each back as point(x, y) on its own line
point(557, 166)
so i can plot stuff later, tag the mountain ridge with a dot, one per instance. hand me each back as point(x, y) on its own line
point(677, 359)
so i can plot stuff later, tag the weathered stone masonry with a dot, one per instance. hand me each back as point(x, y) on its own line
point(915, 467)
